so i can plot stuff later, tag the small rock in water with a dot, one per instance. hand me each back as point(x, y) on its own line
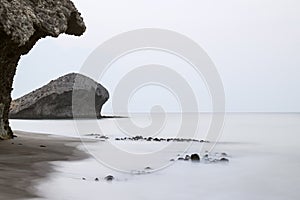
point(172, 160)
point(138, 137)
point(103, 137)
point(195, 157)
point(224, 154)
point(43, 146)
point(148, 168)
point(109, 178)
point(187, 157)
point(180, 158)
point(224, 160)
point(83, 178)
point(96, 179)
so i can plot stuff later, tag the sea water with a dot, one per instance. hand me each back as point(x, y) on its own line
point(263, 152)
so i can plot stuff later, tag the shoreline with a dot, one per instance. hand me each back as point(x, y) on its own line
point(70, 118)
point(26, 159)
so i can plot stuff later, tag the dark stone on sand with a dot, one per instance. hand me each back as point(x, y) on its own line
point(22, 24)
point(43, 146)
point(195, 157)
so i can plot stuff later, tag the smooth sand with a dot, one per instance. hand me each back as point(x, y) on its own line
point(25, 159)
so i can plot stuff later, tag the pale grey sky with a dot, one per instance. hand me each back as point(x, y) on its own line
point(254, 44)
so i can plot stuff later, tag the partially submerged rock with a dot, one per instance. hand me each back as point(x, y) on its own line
point(149, 139)
point(195, 157)
point(22, 24)
point(109, 178)
point(207, 158)
point(224, 160)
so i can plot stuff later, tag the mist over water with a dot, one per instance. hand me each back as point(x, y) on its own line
point(263, 149)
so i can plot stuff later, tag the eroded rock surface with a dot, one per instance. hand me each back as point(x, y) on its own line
point(22, 24)
point(55, 100)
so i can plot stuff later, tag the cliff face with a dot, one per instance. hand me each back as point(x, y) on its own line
point(22, 24)
point(54, 100)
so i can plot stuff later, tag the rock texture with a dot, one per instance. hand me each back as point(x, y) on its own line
point(22, 24)
point(55, 100)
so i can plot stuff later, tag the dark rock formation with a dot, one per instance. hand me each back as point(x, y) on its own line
point(54, 100)
point(109, 178)
point(195, 157)
point(149, 139)
point(224, 160)
point(22, 24)
point(207, 158)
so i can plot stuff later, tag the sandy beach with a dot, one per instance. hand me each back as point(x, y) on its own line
point(27, 158)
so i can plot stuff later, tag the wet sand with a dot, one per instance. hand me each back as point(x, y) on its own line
point(25, 159)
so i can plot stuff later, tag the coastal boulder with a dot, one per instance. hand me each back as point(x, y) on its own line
point(55, 100)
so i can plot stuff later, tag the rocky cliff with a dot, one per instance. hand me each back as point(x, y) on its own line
point(55, 100)
point(22, 24)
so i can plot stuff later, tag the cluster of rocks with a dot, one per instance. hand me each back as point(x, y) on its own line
point(108, 178)
point(98, 136)
point(207, 158)
point(141, 138)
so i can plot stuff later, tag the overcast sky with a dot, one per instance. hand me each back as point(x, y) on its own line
point(255, 45)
